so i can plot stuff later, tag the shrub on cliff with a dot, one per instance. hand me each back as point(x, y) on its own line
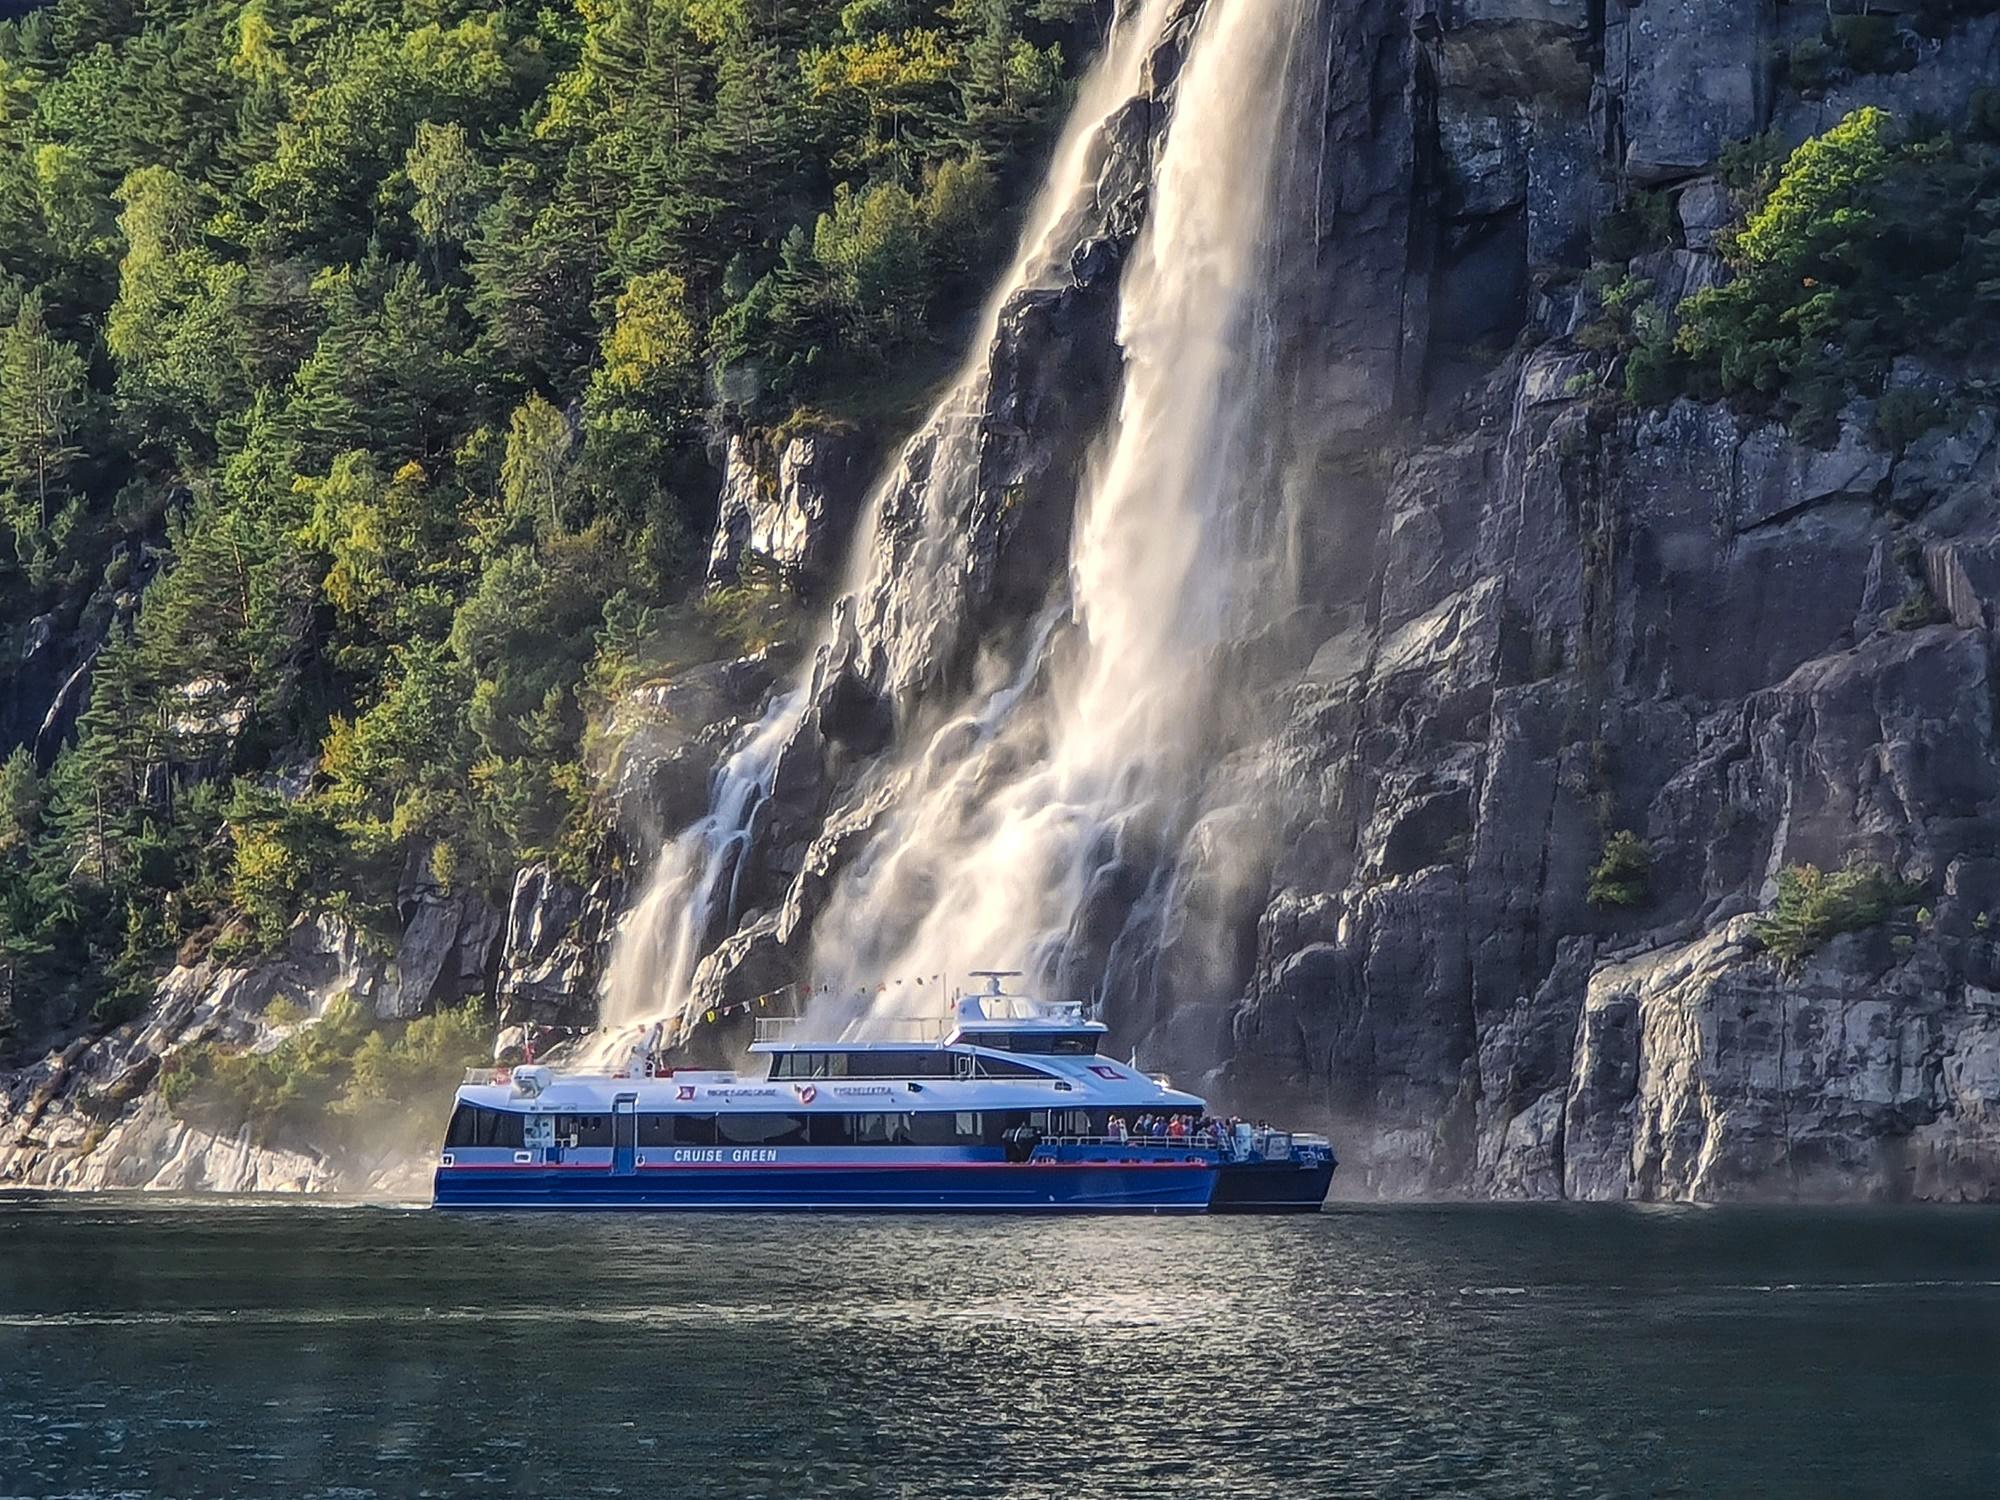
point(757, 612)
point(1871, 244)
point(1623, 877)
point(1815, 905)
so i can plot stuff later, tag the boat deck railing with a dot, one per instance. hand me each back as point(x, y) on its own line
point(1264, 1145)
point(1142, 1142)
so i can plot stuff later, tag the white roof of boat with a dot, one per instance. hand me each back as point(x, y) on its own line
point(1074, 1081)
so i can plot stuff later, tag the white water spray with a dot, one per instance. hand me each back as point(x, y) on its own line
point(692, 894)
point(992, 857)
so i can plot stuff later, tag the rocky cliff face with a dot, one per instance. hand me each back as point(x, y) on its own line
point(1578, 619)
point(1532, 618)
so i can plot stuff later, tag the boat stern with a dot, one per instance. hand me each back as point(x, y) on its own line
point(1282, 1172)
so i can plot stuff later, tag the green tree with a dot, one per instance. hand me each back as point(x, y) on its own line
point(20, 803)
point(536, 473)
point(43, 400)
point(450, 181)
point(872, 246)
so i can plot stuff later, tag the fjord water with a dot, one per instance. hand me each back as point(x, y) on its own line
point(249, 1350)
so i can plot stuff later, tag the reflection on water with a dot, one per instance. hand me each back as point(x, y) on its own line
point(251, 1350)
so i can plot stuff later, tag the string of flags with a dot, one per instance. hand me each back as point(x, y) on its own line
point(803, 993)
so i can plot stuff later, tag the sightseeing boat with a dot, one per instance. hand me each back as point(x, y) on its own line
point(1010, 1105)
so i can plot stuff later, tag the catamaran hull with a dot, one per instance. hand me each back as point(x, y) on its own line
point(1271, 1187)
point(1057, 1187)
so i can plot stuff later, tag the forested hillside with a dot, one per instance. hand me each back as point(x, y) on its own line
point(361, 382)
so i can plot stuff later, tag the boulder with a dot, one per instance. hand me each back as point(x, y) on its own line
point(1691, 78)
point(795, 510)
point(1703, 1072)
point(1705, 209)
point(556, 945)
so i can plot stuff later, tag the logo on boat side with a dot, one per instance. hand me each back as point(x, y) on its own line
point(1103, 1072)
point(807, 1093)
point(685, 1091)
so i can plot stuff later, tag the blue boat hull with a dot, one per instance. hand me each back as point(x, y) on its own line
point(1026, 1187)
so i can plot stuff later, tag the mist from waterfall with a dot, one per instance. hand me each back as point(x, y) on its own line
point(1030, 821)
point(691, 899)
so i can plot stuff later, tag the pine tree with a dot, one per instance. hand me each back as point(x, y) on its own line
point(43, 395)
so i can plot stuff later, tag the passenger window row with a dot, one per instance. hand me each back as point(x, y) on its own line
point(472, 1125)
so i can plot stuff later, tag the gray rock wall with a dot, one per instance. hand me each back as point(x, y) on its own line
point(1684, 623)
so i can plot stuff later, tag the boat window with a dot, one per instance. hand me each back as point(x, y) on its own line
point(940, 1128)
point(881, 1130)
point(859, 1130)
point(1003, 1067)
point(589, 1130)
point(760, 1130)
point(491, 1127)
point(677, 1130)
point(908, 1063)
point(1059, 1043)
point(464, 1127)
point(891, 1064)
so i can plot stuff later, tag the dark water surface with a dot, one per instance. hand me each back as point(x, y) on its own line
point(252, 1349)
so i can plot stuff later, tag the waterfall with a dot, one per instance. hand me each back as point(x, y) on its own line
point(689, 900)
point(1035, 834)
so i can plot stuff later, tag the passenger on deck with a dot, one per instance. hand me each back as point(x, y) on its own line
point(1117, 1128)
point(1159, 1127)
point(1177, 1130)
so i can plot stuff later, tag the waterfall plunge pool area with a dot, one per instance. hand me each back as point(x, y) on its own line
point(249, 1348)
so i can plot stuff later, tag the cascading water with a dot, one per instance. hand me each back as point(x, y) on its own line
point(690, 896)
point(1019, 820)
point(692, 892)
